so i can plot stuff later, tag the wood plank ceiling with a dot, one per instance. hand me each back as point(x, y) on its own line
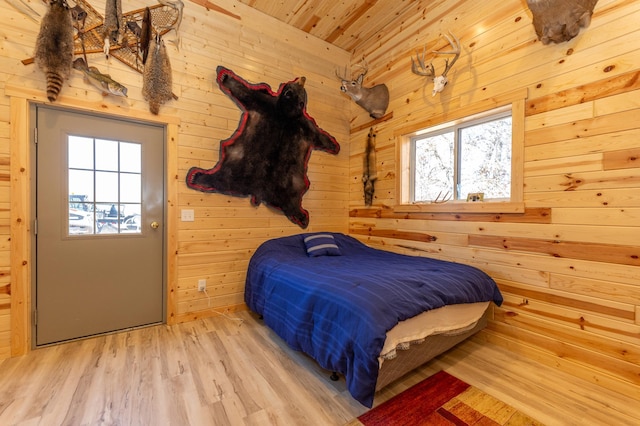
point(346, 24)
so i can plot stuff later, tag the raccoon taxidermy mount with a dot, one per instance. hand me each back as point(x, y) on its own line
point(54, 47)
point(266, 158)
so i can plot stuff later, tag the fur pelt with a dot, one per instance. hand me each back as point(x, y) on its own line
point(266, 158)
point(156, 77)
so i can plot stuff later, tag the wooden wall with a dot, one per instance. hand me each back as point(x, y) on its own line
point(218, 244)
point(569, 267)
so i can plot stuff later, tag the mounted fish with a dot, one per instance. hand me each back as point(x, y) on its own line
point(156, 77)
point(54, 47)
point(111, 30)
point(104, 82)
point(369, 168)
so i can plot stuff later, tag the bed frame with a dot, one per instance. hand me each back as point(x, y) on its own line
point(419, 354)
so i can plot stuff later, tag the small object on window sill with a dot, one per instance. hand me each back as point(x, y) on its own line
point(475, 196)
point(444, 199)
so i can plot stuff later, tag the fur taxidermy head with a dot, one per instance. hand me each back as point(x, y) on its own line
point(54, 47)
point(558, 21)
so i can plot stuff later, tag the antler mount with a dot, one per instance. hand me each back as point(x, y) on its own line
point(420, 67)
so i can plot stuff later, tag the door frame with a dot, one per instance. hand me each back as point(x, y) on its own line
point(124, 310)
point(22, 175)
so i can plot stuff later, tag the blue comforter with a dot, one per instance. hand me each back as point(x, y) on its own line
point(338, 309)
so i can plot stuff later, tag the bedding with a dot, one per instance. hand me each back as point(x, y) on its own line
point(338, 308)
point(444, 320)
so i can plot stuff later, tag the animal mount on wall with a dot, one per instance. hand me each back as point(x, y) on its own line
point(419, 66)
point(54, 47)
point(560, 20)
point(374, 100)
point(95, 34)
point(104, 82)
point(369, 168)
point(156, 78)
point(123, 40)
point(266, 157)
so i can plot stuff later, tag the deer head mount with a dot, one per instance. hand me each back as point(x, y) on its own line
point(374, 100)
point(560, 20)
point(419, 67)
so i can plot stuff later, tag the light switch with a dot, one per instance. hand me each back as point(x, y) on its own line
point(187, 215)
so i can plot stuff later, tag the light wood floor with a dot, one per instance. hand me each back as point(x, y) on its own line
point(234, 371)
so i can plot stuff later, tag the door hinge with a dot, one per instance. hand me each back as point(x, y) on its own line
point(35, 317)
point(35, 226)
point(35, 135)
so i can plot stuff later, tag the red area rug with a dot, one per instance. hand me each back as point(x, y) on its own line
point(442, 399)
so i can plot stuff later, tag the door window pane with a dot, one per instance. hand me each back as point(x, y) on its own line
point(130, 188)
point(130, 155)
point(105, 186)
point(80, 152)
point(106, 155)
point(80, 185)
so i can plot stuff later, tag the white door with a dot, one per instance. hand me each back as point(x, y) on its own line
point(99, 225)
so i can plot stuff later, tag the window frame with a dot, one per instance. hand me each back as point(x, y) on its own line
point(514, 101)
point(454, 128)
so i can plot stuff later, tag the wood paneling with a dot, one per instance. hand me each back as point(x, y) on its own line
point(566, 256)
point(568, 263)
point(218, 244)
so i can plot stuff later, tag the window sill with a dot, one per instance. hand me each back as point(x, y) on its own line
point(462, 207)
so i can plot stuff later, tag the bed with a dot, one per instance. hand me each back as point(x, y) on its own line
point(339, 301)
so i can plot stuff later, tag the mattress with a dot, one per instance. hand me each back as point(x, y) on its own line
point(445, 320)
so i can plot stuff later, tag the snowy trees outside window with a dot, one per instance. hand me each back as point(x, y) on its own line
point(469, 157)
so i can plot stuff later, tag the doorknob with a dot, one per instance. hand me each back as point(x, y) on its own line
point(155, 224)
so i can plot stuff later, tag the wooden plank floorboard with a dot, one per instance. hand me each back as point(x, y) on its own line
point(232, 370)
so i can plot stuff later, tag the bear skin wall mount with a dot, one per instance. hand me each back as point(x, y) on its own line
point(266, 157)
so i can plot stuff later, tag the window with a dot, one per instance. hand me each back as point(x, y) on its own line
point(477, 148)
point(105, 186)
point(461, 160)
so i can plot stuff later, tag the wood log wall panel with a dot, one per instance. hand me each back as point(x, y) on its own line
point(621, 312)
point(573, 317)
point(538, 352)
point(610, 253)
point(621, 84)
point(539, 215)
point(574, 335)
point(587, 146)
point(550, 340)
point(569, 264)
point(622, 159)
